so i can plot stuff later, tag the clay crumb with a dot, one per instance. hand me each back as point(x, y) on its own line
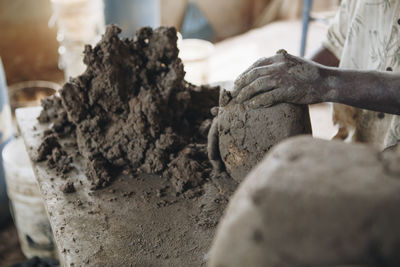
point(68, 188)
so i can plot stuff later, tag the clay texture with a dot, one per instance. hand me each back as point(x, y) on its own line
point(313, 202)
point(132, 110)
point(246, 134)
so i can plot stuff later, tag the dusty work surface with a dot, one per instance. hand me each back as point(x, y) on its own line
point(133, 222)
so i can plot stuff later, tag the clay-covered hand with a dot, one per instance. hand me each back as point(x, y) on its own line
point(281, 78)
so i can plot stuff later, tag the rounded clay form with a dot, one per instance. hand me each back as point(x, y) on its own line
point(246, 134)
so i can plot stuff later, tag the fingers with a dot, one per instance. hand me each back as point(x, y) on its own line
point(256, 73)
point(253, 75)
point(259, 63)
point(280, 57)
point(268, 99)
point(260, 85)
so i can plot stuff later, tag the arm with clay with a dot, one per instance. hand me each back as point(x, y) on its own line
point(286, 78)
point(373, 90)
point(322, 56)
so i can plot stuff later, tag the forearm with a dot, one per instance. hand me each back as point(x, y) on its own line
point(373, 90)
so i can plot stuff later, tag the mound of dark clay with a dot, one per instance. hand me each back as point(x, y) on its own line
point(246, 135)
point(132, 111)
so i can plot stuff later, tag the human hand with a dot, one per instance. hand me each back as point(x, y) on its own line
point(219, 176)
point(281, 78)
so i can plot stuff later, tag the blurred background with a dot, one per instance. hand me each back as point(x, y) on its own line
point(29, 45)
point(41, 44)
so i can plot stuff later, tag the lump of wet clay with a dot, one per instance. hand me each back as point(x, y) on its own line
point(51, 151)
point(68, 187)
point(132, 110)
point(246, 134)
point(313, 202)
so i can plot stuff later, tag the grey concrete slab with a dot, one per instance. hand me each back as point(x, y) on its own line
point(125, 224)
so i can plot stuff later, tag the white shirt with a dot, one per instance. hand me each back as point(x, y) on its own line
point(365, 35)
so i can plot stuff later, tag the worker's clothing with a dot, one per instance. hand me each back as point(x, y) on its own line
point(365, 35)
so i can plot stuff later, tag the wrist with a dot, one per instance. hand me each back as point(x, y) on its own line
point(330, 84)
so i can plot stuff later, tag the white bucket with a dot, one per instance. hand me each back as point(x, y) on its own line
point(195, 54)
point(79, 22)
point(29, 214)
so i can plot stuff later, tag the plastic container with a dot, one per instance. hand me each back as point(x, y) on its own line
point(79, 22)
point(30, 93)
point(195, 54)
point(6, 130)
point(29, 214)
